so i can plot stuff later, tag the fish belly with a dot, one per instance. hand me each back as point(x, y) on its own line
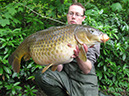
point(60, 54)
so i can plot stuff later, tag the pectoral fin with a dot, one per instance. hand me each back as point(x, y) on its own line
point(45, 68)
point(54, 68)
point(81, 37)
point(26, 57)
point(82, 54)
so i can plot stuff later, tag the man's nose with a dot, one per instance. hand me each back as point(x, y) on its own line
point(74, 15)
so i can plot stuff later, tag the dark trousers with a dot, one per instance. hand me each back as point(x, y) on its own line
point(59, 84)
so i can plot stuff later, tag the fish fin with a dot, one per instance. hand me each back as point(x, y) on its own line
point(15, 58)
point(16, 65)
point(82, 54)
point(80, 37)
point(26, 57)
point(54, 68)
point(46, 67)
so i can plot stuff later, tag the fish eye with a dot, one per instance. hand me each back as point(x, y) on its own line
point(91, 31)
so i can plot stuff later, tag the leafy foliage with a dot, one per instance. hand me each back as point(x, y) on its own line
point(113, 64)
point(17, 21)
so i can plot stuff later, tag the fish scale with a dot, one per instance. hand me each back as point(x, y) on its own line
point(56, 45)
point(59, 54)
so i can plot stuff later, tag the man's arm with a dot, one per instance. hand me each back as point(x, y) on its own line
point(84, 66)
point(92, 55)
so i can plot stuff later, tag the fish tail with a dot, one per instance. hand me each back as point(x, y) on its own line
point(16, 56)
point(15, 62)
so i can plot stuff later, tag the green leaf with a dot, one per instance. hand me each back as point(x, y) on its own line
point(6, 50)
point(11, 44)
point(113, 73)
point(20, 9)
point(18, 87)
point(116, 36)
point(7, 76)
point(5, 57)
point(101, 11)
point(1, 70)
point(99, 74)
point(124, 57)
point(32, 77)
point(15, 75)
point(17, 83)
point(2, 40)
point(125, 66)
point(9, 86)
point(13, 91)
point(12, 11)
point(4, 22)
point(30, 65)
point(105, 68)
point(16, 21)
point(34, 90)
point(7, 15)
point(7, 70)
point(0, 82)
point(3, 45)
point(116, 7)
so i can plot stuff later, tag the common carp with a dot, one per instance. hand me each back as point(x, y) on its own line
point(56, 45)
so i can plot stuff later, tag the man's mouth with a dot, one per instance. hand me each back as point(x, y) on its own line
point(73, 22)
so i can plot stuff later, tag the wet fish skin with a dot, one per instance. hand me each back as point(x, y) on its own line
point(51, 46)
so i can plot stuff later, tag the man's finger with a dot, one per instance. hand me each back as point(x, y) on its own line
point(85, 47)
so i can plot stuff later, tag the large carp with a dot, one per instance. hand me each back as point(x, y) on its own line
point(56, 45)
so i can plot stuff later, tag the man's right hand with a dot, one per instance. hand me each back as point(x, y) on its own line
point(59, 67)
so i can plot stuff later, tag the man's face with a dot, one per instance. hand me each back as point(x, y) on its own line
point(75, 15)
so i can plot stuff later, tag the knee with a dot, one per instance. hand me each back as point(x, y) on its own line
point(37, 76)
point(43, 78)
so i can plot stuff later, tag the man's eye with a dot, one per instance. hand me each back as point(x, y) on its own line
point(77, 14)
point(71, 13)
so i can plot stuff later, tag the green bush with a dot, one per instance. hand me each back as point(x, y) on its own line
point(18, 20)
point(113, 64)
point(12, 33)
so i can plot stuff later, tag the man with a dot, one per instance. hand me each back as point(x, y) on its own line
point(77, 78)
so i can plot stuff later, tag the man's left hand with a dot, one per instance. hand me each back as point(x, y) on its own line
point(76, 51)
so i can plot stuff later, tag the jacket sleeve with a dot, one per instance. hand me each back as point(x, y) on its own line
point(93, 53)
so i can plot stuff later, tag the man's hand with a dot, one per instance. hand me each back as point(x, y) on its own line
point(76, 52)
point(59, 67)
point(84, 66)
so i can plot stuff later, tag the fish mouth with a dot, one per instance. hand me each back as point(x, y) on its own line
point(104, 38)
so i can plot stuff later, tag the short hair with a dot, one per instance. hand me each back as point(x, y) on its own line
point(79, 4)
